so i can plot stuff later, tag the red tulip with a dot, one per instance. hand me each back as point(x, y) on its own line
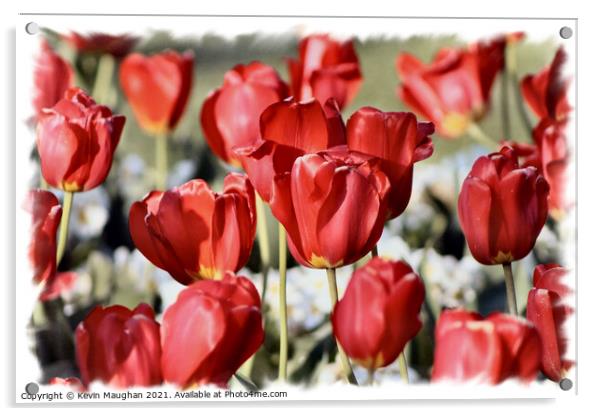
point(454, 90)
point(397, 138)
point(52, 76)
point(76, 140)
point(72, 383)
point(289, 129)
point(502, 208)
point(546, 91)
point(326, 68)
point(230, 115)
point(194, 233)
point(119, 347)
point(333, 205)
point(157, 88)
point(379, 312)
point(547, 308)
point(469, 347)
point(210, 331)
point(102, 43)
point(58, 284)
point(45, 212)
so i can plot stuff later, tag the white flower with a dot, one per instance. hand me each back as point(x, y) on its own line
point(90, 212)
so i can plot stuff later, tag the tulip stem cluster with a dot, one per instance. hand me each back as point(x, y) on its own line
point(282, 304)
point(161, 161)
point(64, 227)
point(334, 297)
point(264, 243)
point(510, 291)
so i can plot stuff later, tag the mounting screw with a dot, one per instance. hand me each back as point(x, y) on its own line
point(32, 388)
point(565, 384)
point(32, 28)
point(566, 32)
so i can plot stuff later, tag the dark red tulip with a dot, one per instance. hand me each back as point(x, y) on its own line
point(469, 347)
point(76, 140)
point(72, 383)
point(379, 312)
point(45, 212)
point(230, 115)
point(502, 208)
point(548, 309)
point(102, 43)
point(454, 90)
point(119, 347)
point(399, 140)
point(333, 205)
point(546, 91)
point(210, 331)
point(326, 68)
point(52, 76)
point(157, 88)
point(194, 233)
point(290, 129)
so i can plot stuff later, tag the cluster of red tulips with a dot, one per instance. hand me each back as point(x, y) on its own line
point(331, 184)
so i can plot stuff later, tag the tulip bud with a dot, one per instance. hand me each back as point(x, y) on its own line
point(547, 308)
point(45, 212)
point(379, 312)
point(76, 140)
point(194, 233)
point(229, 116)
point(502, 208)
point(469, 347)
point(326, 69)
point(454, 90)
point(119, 347)
point(210, 331)
point(157, 88)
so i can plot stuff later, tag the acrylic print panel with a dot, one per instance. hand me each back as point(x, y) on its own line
point(421, 168)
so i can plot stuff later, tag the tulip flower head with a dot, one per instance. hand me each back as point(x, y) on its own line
point(454, 90)
point(157, 88)
point(230, 115)
point(45, 212)
point(119, 347)
point(379, 312)
point(76, 140)
point(326, 68)
point(194, 233)
point(210, 331)
point(52, 76)
point(502, 208)
point(548, 309)
point(102, 43)
point(469, 347)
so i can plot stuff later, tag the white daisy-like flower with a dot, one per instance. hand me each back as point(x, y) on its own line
point(90, 213)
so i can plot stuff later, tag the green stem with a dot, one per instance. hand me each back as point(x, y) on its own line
point(334, 297)
point(506, 127)
point(64, 227)
point(282, 304)
point(375, 251)
point(510, 292)
point(161, 161)
point(403, 368)
point(511, 67)
point(370, 380)
point(104, 75)
point(264, 243)
point(478, 135)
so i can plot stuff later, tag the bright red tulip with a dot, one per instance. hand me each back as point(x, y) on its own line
point(45, 212)
point(333, 205)
point(102, 43)
point(454, 90)
point(72, 383)
point(194, 233)
point(502, 208)
point(230, 115)
point(157, 88)
point(76, 140)
point(52, 76)
point(119, 347)
point(379, 312)
point(469, 347)
point(546, 92)
point(547, 308)
point(210, 331)
point(326, 68)
point(399, 140)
